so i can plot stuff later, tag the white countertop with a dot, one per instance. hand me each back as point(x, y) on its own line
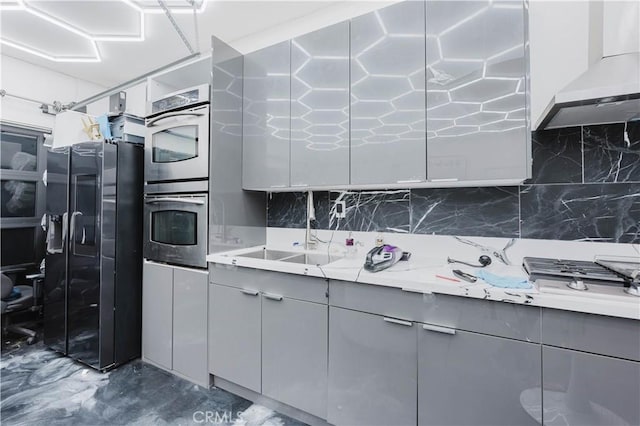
point(423, 275)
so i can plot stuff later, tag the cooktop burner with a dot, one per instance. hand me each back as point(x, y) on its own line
point(538, 267)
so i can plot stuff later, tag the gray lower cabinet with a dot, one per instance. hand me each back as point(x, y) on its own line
point(157, 308)
point(235, 335)
point(174, 320)
point(474, 379)
point(372, 369)
point(587, 389)
point(294, 353)
point(190, 324)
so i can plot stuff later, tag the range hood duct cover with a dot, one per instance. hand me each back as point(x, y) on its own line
point(608, 92)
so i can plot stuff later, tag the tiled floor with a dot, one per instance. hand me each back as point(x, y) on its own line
point(40, 387)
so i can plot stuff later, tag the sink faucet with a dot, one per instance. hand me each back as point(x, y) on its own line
point(309, 240)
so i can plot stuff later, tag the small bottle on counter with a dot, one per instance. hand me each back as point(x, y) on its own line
point(379, 240)
point(351, 247)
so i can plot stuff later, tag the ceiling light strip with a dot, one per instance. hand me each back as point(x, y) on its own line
point(44, 55)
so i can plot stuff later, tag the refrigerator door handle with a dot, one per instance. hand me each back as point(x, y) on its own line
point(65, 228)
point(72, 233)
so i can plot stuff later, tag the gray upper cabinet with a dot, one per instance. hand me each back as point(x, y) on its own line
point(235, 335)
point(320, 107)
point(476, 91)
point(473, 379)
point(388, 144)
point(266, 118)
point(294, 353)
point(372, 370)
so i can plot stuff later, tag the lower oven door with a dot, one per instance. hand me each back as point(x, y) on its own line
point(175, 229)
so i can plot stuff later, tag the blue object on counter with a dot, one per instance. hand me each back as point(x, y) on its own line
point(105, 130)
point(502, 281)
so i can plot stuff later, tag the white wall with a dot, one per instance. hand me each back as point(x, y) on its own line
point(621, 27)
point(24, 79)
point(558, 36)
point(332, 14)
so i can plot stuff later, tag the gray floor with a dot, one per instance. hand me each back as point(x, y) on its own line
point(38, 386)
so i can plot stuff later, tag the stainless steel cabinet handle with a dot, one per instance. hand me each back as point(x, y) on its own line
point(409, 181)
point(399, 322)
point(438, 329)
point(174, 200)
point(250, 292)
point(153, 121)
point(444, 180)
point(275, 297)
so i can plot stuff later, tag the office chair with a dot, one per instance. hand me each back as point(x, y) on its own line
point(24, 302)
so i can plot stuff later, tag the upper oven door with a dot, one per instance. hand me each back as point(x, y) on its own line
point(175, 229)
point(176, 146)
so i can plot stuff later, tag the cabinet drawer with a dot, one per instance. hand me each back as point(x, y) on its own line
point(387, 301)
point(299, 287)
point(598, 334)
point(501, 319)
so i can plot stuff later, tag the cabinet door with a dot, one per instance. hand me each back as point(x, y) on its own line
point(372, 370)
point(586, 389)
point(474, 379)
point(157, 313)
point(266, 116)
point(476, 96)
point(190, 324)
point(234, 335)
point(388, 143)
point(294, 353)
point(320, 107)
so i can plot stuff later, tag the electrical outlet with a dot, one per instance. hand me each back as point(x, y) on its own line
point(341, 209)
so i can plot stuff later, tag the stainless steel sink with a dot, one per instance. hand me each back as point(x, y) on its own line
point(267, 254)
point(291, 257)
point(311, 259)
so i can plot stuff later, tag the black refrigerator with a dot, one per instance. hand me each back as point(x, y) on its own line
point(93, 266)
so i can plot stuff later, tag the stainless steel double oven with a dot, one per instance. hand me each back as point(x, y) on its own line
point(176, 178)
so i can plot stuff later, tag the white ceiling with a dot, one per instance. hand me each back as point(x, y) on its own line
point(112, 30)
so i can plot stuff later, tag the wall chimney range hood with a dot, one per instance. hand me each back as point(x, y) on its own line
point(608, 92)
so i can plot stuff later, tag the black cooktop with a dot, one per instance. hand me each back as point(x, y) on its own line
point(539, 267)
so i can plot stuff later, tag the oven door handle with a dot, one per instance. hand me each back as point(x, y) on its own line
point(153, 121)
point(174, 200)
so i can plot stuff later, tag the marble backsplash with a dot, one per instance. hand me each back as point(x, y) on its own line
point(585, 187)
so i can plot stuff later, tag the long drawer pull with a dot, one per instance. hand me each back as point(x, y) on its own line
point(399, 322)
point(250, 292)
point(438, 329)
point(270, 296)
